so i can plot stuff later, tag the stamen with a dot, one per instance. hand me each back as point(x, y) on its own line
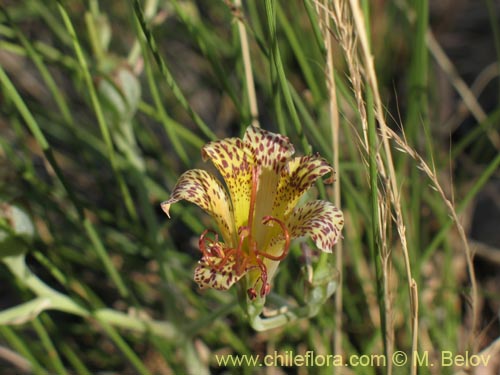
point(252, 294)
point(202, 240)
point(243, 232)
point(269, 219)
point(210, 251)
point(243, 261)
point(266, 288)
point(253, 196)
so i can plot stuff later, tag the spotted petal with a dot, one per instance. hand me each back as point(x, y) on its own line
point(235, 165)
point(302, 173)
point(203, 189)
point(271, 153)
point(270, 150)
point(320, 220)
point(209, 276)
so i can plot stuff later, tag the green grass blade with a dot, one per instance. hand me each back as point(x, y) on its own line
point(165, 119)
point(300, 53)
point(208, 44)
point(39, 136)
point(176, 90)
point(284, 84)
point(104, 257)
point(52, 355)
point(47, 77)
point(488, 172)
point(103, 126)
point(125, 348)
point(12, 93)
point(22, 347)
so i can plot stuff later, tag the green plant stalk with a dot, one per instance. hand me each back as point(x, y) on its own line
point(207, 319)
point(256, 27)
point(44, 72)
point(48, 298)
point(125, 348)
point(472, 136)
point(63, 346)
point(492, 13)
point(139, 181)
point(232, 338)
point(88, 226)
point(95, 44)
point(290, 315)
point(47, 150)
point(168, 75)
point(50, 19)
point(354, 237)
point(74, 359)
point(104, 257)
point(164, 347)
point(20, 346)
point(23, 110)
point(103, 126)
point(150, 9)
point(418, 111)
point(52, 355)
point(271, 19)
point(201, 37)
point(311, 125)
point(275, 94)
point(38, 134)
point(313, 21)
point(248, 72)
point(302, 59)
point(322, 286)
point(374, 235)
point(183, 133)
point(44, 51)
point(149, 214)
point(12, 48)
point(192, 360)
point(278, 107)
point(5, 30)
point(160, 109)
point(480, 182)
point(47, 264)
point(126, 321)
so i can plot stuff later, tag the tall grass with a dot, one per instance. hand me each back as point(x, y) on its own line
point(99, 116)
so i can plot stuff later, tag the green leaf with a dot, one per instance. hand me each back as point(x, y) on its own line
point(16, 230)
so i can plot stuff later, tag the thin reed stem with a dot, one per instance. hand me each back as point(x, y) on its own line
point(247, 63)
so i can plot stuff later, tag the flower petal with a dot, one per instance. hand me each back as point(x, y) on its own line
point(320, 220)
point(208, 276)
point(270, 150)
point(203, 189)
point(302, 173)
point(235, 165)
point(271, 153)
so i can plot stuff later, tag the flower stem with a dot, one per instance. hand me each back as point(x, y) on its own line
point(50, 299)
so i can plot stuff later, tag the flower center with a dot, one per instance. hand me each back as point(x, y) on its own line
point(257, 256)
point(247, 255)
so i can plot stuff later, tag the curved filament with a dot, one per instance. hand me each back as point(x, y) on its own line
point(286, 234)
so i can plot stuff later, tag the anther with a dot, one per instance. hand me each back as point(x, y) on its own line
point(252, 294)
point(265, 290)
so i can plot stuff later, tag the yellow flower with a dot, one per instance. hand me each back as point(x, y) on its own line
point(258, 218)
